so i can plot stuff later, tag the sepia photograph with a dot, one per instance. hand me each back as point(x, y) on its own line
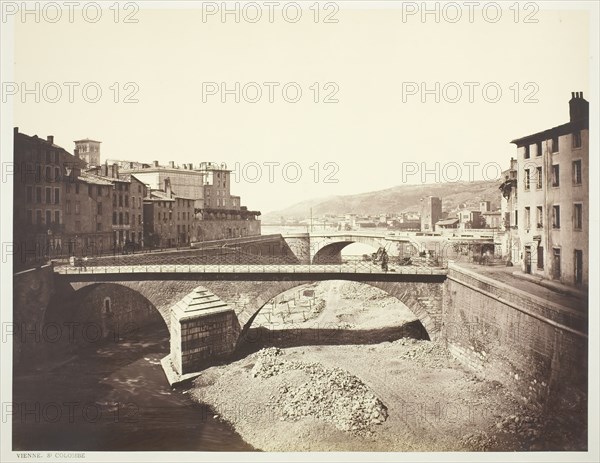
point(299, 230)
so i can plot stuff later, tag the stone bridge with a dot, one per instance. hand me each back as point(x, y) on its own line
point(326, 248)
point(534, 346)
point(208, 313)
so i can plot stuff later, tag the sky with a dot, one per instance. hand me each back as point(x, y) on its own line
point(372, 65)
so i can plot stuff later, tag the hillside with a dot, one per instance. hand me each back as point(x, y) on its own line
point(393, 200)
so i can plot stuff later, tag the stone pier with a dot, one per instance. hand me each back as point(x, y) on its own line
point(204, 330)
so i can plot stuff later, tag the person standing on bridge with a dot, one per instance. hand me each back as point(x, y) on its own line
point(384, 261)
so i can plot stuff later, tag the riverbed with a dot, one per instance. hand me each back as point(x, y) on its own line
point(113, 396)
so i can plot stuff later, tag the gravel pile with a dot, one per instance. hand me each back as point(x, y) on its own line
point(331, 394)
point(479, 441)
point(524, 425)
point(427, 353)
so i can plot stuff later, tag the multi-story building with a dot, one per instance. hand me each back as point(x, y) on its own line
point(186, 181)
point(552, 188)
point(223, 216)
point(87, 211)
point(42, 169)
point(431, 212)
point(169, 219)
point(510, 241)
point(127, 207)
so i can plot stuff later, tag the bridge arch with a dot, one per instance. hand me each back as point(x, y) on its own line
point(424, 300)
point(328, 250)
point(113, 308)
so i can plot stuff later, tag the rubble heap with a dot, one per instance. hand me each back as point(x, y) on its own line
point(430, 354)
point(331, 394)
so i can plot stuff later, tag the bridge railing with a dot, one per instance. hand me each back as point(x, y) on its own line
point(347, 267)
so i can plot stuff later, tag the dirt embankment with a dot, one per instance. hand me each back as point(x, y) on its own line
point(404, 395)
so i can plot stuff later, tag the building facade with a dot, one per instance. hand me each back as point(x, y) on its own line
point(185, 181)
point(431, 212)
point(552, 187)
point(169, 219)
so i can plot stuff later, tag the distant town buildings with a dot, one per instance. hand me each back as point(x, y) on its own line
point(552, 190)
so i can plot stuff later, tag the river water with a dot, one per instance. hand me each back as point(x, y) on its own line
point(113, 396)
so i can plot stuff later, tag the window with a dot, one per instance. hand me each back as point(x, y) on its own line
point(540, 257)
point(99, 226)
point(29, 194)
point(120, 200)
point(48, 157)
point(38, 217)
point(77, 205)
point(527, 217)
point(516, 218)
point(540, 217)
point(57, 217)
point(77, 188)
point(555, 216)
point(139, 188)
point(48, 173)
point(57, 196)
point(48, 195)
point(126, 200)
point(577, 172)
point(578, 216)
point(29, 217)
point(48, 217)
point(539, 148)
point(68, 203)
point(139, 219)
point(555, 175)
point(56, 174)
point(99, 207)
point(527, 179)
point(538, 177)
point(114, 200)
point(556, 262)
point(555, 144)
point(120, 218)
point(114, 218)
point(126, 218)
point(38, 194)
point(576, 139)
point(527, 153)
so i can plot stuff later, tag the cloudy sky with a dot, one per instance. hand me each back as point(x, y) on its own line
point(372, 64)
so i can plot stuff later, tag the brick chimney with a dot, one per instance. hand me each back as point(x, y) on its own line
point(155, 163)
point(114, 171)
point(50, 139)
point(172, 164)
point(579, 109)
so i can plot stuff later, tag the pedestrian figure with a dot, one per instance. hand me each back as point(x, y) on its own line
point(384, 261)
